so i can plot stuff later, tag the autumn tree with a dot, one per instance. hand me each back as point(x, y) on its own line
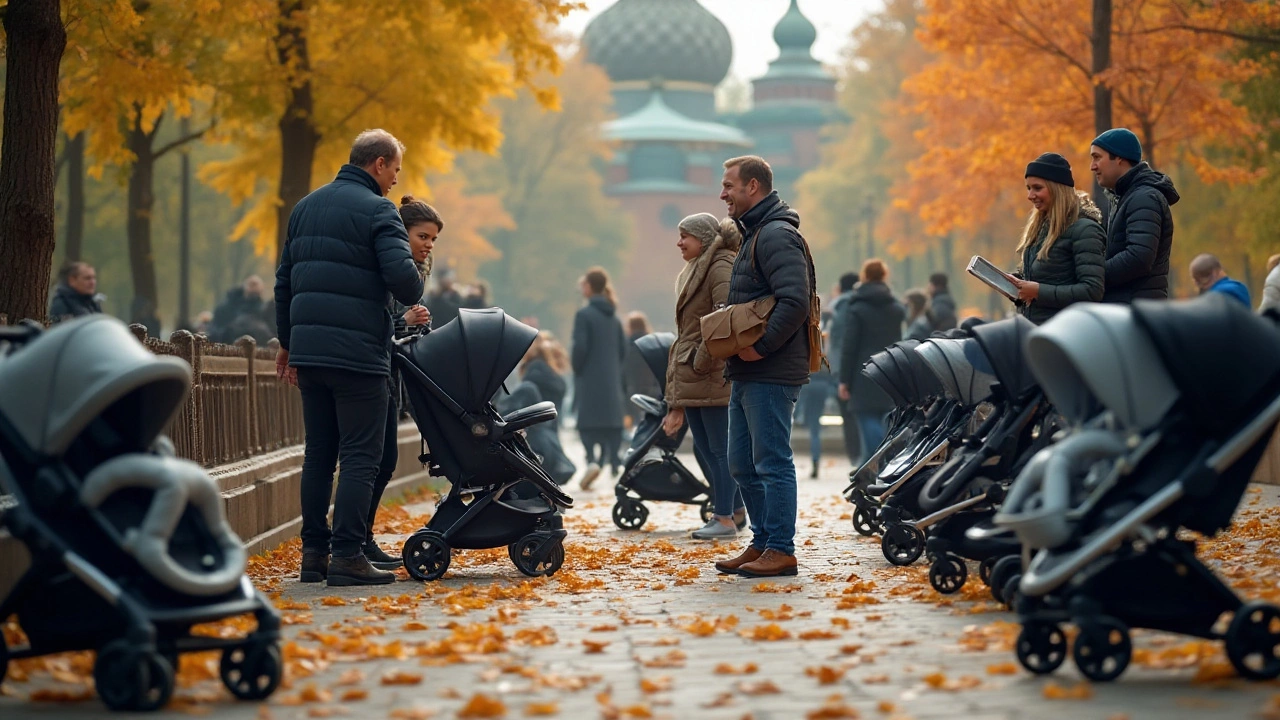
point(425, 70)
point(546, 173)
point(1012, 81)
point(34, 43)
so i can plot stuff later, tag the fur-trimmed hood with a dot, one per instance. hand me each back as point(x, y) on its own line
point(1088, 208)
point(729, 240)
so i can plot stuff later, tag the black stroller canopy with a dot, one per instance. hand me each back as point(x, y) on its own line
point(952, 361)
point(926, 383)
point(1004, 343)
point(884, 371)
point(470, 359)
point(654, 349)
point(1223, 358)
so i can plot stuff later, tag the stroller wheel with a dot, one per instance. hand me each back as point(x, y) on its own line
point(426, 555)
point(523, 554)
point(1010, 593)
point(629, 514)
point(1003, 569)
point(864, 522)
point(1041, 646)
point(947, 574)
point(902, 544)
point(1253, 639)
point(707, 511)
point(1103, 649)
point(251, 671)
point(984, 570)
point(129, 678)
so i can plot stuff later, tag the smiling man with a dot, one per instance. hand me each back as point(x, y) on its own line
point(1140, 232)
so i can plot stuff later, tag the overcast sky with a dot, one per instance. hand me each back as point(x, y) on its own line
point(751, 23)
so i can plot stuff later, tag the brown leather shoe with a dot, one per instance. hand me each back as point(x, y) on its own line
point(771, 564)
point(730, 567)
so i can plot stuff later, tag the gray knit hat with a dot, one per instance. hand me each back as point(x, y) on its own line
point(703, 226)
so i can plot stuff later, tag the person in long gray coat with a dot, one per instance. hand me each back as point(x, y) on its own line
point(599, 349)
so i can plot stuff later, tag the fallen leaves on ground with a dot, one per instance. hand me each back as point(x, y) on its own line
point(1080, 691)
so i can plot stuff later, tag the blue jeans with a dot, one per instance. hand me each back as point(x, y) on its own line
point(872, 427)
point(761, 462)
point(710, 428)
point(813, 400)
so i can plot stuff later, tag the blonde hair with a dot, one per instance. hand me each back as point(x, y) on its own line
point(638, 323)
point(597, 278)
point(1064, 209)
point(1272, 262)
point(547, 348)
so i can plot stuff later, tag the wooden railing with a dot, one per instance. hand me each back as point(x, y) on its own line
point(237, 408)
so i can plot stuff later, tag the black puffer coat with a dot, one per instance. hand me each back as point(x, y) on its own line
point(67, 303)
point(873, 322)
point(1073, 269)
point(1140, 236)
point(346, 249)
point(774, 264)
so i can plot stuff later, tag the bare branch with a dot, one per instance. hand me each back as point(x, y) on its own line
point(189, 137)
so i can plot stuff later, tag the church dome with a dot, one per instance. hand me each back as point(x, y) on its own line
point(795, 32)
point(676, 40)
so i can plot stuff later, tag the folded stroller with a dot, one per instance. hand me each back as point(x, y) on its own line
point(129, 545)
point(966, 491)
point(650, 469)
point(966, 378)
point(499, 494)
point(1169, 430)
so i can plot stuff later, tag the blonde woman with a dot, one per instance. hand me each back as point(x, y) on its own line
point(696, 390)
point(1061, 255)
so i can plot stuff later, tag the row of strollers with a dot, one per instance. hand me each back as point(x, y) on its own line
point(1074, 464)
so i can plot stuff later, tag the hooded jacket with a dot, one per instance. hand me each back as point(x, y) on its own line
point(694, 378)
point(1140, 236)
point(772, 262)
point(67, 303)
point(1072, 271)
point(346, 256)
point(873, 322)
point(599, 349)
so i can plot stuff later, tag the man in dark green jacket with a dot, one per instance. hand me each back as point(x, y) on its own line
point(1140, 231)
point(347, 252)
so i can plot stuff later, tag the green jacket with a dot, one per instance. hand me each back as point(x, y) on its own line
point(1073, 270)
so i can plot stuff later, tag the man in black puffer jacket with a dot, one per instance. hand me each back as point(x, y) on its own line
point(1140, 231)
point(766, 377)
point(347, 247)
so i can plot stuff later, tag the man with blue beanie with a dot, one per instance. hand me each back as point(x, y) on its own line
point(1140, 229)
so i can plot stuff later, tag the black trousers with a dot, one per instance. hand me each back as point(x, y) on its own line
point(344, 414)
point(852, 435)
point(602, 446)
point(390, 456)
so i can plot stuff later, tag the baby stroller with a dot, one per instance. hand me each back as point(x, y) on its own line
point(655, 476)
point(966, 379)
point(129, 545)
point(1177, 430)
point(500, 494)
point(965, 493)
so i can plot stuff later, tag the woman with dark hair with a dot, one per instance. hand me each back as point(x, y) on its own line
point(919, 326)
point(424, 225)
point(599, 349)
point(1061, 256)
point(696, 389)
point(873, 322)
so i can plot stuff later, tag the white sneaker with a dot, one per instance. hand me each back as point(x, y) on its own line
point(589, 477)
point(715, 530)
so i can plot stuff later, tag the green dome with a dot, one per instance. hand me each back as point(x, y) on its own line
point(794, 32)
point(676, 40)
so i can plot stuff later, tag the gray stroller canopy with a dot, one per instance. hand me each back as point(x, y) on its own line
point(1091, 357)
point(469, 359)
point(953, 363)
point(1223, 358)
point(1004, 344)
point(883, 369)
point(654, 349)
point(51, 389)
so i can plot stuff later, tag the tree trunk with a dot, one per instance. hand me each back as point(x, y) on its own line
point(35, 40)
point(75, 197)
point(298, 135)
point(1101, 93)
point(184, 236)
point(146, 296)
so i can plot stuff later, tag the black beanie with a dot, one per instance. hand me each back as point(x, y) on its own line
point(1052, 167)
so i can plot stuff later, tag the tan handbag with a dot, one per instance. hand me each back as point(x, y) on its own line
point(734, 328)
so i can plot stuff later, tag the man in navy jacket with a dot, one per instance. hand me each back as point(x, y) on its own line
point(346, 251)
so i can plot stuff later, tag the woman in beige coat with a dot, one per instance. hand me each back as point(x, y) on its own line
point(696, 389)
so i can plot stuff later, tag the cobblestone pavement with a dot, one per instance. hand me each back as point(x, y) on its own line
point(638, 625)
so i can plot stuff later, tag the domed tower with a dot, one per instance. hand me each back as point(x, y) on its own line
point(792, 101)
point(665, 59)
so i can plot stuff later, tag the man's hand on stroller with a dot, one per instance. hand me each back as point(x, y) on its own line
point(283, 371)
point(673, 421)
